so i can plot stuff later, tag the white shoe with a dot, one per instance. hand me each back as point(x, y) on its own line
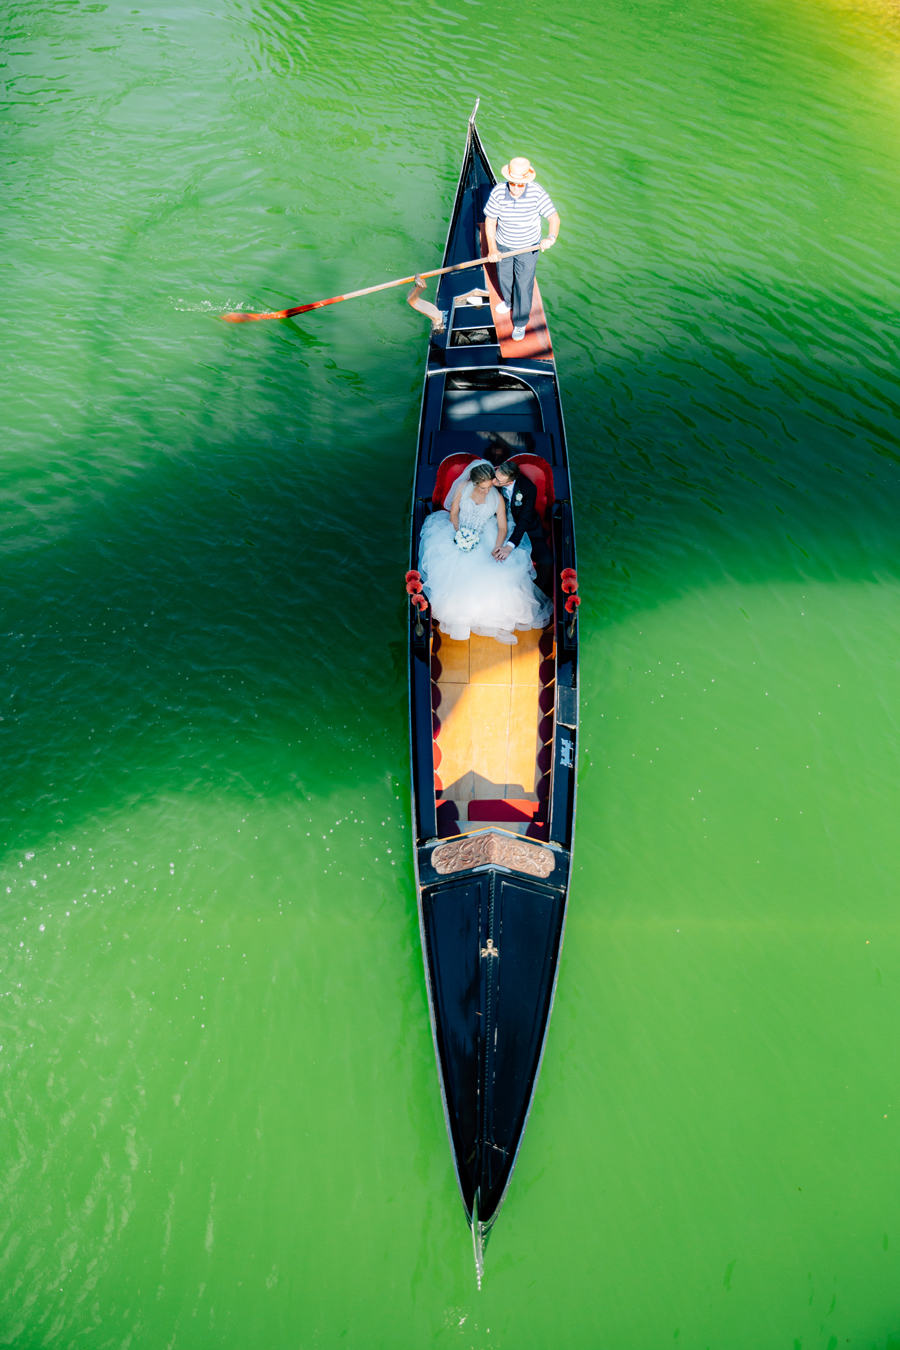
point(502, 307)
point(518, 334)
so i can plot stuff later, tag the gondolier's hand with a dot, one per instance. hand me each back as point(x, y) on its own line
point(501, 554)
point(548, 242)
point(493, 256)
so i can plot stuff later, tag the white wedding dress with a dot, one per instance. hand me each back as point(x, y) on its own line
point(472, 592)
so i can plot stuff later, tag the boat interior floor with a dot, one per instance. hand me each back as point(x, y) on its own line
point(493, 728)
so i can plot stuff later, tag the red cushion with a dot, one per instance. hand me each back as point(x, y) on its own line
point(448, 469)
point(541, 474)
point(533, 466)
point(505, 808)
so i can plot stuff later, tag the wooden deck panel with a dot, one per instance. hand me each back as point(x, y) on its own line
point(489, 661)
point(526, 658)
point(454, 659)
point(455, 740)
point(489, 716)
point(521, 759)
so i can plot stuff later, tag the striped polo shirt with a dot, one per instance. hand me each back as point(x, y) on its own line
point(519, 218)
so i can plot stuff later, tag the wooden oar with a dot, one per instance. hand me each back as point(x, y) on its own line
point(239, 317)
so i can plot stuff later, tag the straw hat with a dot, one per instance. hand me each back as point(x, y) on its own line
point(519, 170)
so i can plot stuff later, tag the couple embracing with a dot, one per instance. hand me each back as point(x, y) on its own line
point(479, 556)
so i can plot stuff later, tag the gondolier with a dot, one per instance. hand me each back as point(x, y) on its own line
point(512, 219)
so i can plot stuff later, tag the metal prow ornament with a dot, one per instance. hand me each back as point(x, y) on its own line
point(479, 1238)
point(425, 307)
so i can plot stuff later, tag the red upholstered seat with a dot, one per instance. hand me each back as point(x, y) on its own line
point(533, 466)
point(448, 469)
point(505, 808)
point(541, 474)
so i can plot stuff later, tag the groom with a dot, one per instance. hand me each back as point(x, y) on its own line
point(521, 498)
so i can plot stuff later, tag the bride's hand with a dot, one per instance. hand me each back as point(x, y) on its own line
point(502, 553)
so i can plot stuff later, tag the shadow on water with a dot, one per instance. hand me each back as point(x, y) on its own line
point(223, 602)
point(714, 434)
point(210, 609)
point(737, 445)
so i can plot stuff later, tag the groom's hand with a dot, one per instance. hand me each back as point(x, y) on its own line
point(501, 554)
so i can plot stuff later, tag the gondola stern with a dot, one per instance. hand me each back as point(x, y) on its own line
point(476, 179)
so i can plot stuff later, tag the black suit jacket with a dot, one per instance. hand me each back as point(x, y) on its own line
point(524, 512)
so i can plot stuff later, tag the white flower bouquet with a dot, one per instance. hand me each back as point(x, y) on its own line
point(466, 540)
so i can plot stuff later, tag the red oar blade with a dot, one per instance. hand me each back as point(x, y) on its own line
point(297, 309)
point(238, 317)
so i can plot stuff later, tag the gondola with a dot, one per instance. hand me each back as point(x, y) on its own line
point(493, 729)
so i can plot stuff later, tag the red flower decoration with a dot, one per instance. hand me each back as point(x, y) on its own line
point(569, 574)
point(572, 604)
point(413, 587)
point(569, 586)
point(419, 601)
point(412, 576)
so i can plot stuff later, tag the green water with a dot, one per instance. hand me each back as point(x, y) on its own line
point(219, 1116)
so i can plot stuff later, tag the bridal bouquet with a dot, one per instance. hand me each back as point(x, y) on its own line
point(466, 540)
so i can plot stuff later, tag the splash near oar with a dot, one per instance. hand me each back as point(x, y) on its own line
point(240, 317)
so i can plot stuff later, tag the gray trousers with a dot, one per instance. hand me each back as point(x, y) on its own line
point(516, 278)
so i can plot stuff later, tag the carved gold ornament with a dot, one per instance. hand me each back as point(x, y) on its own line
point(476, 850)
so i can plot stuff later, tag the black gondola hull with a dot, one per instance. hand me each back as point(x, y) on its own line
point(492, 943)
point(492, 901)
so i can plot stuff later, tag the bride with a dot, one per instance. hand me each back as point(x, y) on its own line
point(469, 590)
